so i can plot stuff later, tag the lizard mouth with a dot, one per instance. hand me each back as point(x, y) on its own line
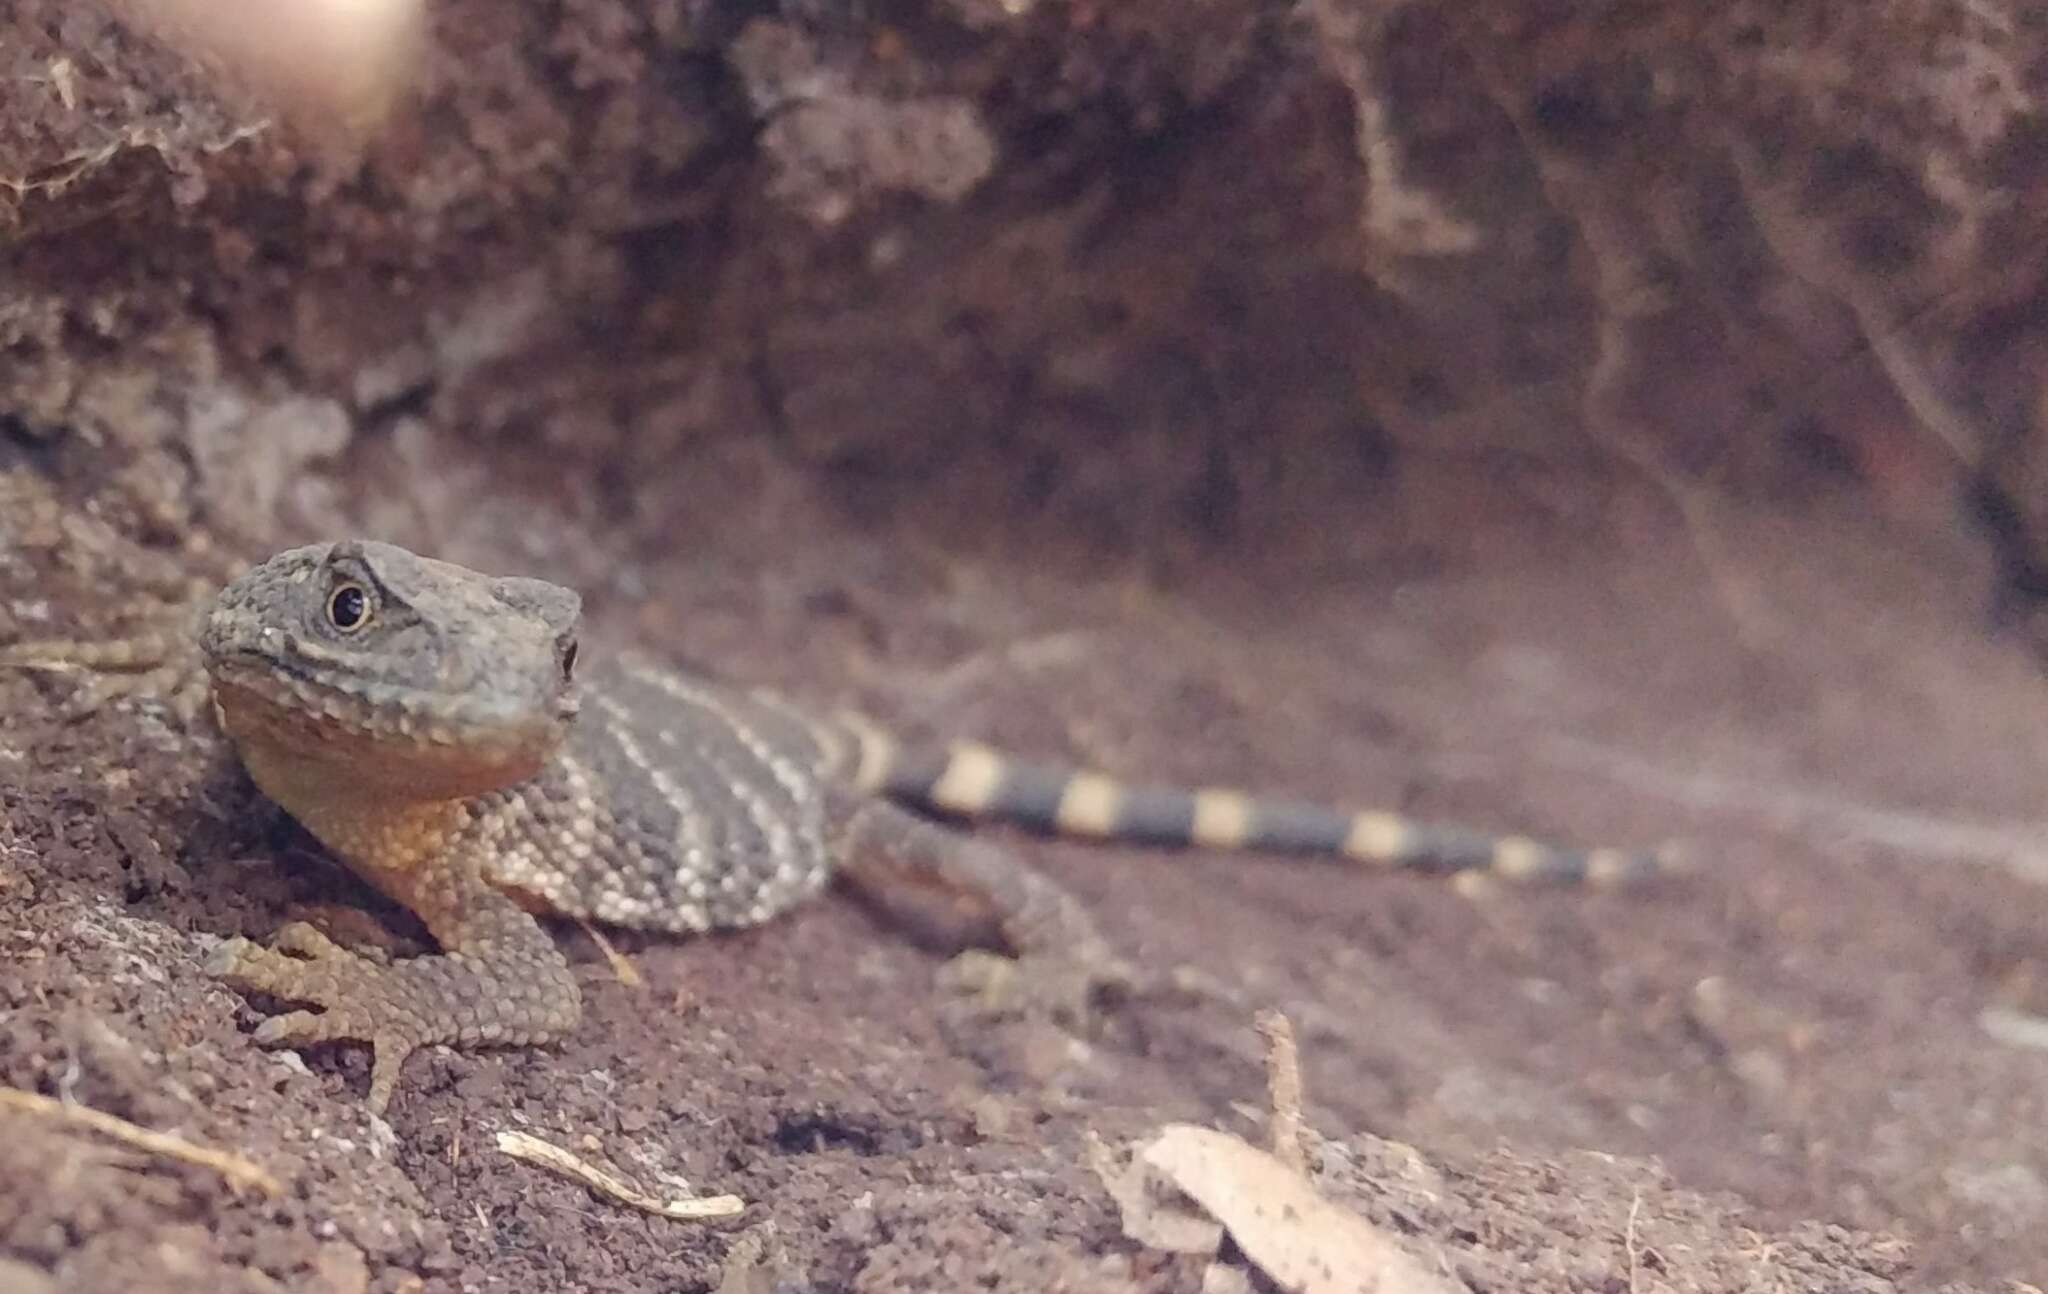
point(394, 712)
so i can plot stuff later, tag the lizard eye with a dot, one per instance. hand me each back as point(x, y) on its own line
point(569, 661)
point(348, 607)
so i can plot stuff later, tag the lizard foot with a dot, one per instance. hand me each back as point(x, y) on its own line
point(516, 990)
point(1065, 973)
point(1077, 994)
point(359, 999)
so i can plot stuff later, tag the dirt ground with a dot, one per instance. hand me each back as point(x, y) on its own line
point(1346, 399)
point(1810, 1065)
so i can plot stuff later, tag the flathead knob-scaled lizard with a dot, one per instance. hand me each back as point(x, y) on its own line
point(436, 730)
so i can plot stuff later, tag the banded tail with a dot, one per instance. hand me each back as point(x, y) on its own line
point(974, 781)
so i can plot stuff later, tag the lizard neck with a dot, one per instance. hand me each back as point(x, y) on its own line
point(393, 840)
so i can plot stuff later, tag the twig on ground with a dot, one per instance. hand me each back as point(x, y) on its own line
point(533, 1150)
point(239, 1172)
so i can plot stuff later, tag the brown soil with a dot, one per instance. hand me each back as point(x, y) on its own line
point(1816, 1031)
point(1339, 398)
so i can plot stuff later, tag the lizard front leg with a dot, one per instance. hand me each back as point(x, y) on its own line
point(500, 979)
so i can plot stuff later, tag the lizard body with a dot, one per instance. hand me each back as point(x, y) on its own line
point(429, 725)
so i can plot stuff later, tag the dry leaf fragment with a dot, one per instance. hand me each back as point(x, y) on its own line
point(1153, 1214)
point(1304, 1243)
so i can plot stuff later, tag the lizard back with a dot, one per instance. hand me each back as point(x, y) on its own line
point(677, 804)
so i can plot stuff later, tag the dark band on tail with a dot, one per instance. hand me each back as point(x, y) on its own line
point(974, 781)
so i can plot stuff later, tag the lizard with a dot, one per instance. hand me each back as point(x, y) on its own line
point(436, 729)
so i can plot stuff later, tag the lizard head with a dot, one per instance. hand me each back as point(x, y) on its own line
point(361, 664)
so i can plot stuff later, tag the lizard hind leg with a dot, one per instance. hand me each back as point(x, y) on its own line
point(1063, 968)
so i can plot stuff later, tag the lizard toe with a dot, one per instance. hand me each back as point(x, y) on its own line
point(224, 961)
point(306, 940)
point(346, 987)
point(303, 1028)
point(1075, 994)
point(251, 967)
point(389, 1048)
